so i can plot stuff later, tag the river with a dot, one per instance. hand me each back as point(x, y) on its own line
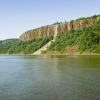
point(49, 77)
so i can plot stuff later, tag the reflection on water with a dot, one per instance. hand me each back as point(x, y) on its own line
point(49, 78)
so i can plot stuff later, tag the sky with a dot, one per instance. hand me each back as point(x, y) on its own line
point(18, 16)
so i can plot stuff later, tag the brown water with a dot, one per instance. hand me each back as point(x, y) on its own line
point(49, 78)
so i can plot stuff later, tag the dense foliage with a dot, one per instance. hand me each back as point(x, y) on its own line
point(83, 40)
point(15, 46)
point(87, 39)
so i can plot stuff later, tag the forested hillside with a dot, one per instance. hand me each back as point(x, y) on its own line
point(16, 46)
point(76, 36)
point(83, 40)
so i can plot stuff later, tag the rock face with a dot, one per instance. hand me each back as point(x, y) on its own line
point(50, 30)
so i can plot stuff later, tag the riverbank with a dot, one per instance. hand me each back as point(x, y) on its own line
point(71, 54)
point(59, 54)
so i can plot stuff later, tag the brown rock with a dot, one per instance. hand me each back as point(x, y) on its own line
point(49, 30)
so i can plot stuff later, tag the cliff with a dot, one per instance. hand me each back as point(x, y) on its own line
point(87, 39)
point(50, 30)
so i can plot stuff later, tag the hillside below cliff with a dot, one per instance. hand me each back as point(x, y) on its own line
point(75, 42)
point(76, 36)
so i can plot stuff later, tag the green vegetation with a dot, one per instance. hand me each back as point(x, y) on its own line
point(16, 46)
point(87, 39)
point(81, 40)
point(82, 18)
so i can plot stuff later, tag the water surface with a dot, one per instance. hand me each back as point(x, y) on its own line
point(49, 78)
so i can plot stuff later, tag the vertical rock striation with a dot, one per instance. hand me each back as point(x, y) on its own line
point(50, 30)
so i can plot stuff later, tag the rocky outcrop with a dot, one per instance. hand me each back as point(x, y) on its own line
point(50, 30)
point(44, 48)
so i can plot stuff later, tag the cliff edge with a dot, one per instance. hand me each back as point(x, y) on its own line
point(49, 30)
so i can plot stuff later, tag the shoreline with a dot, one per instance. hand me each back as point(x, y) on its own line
point(83, 54)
